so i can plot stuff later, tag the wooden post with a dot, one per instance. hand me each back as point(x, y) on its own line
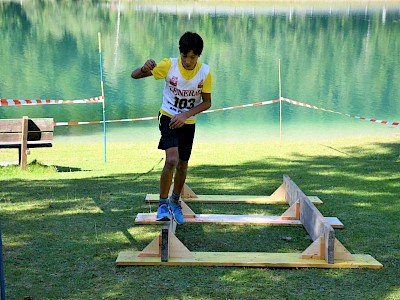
point(24, 143)
point(164, 242)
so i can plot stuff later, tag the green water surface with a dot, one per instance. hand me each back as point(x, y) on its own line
point(344, 58)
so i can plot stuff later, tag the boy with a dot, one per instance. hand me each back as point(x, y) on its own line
point(187, 92)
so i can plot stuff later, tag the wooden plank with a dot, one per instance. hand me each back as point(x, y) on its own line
point(150, 218)
point(250, 199)
point(247, 259)
point(311, 218)
point(10, 137)
point(14, 125)
point(10, 125)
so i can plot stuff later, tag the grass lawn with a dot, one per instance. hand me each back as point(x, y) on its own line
point(64, 226)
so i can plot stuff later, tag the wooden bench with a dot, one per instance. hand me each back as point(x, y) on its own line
point(26, 133)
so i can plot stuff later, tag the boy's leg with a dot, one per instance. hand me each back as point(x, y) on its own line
point(171, 159)
point(185, 144)
point(179, 180)
point(186, 136)
point(171, 162)
point(180, 176)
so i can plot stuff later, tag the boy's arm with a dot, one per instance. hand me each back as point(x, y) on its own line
point(145, 70)
point(178, 120)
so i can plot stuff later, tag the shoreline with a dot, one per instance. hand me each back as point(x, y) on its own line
point(258, 6)
point(263, 2)
point(277, 4)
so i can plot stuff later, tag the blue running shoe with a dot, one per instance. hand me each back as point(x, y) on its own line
point(176, 211)
point(163, 213)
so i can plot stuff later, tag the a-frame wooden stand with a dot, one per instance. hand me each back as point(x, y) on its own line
point(325, 251)
point(166, 245)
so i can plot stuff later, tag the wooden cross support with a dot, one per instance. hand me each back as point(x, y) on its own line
point(166, 245)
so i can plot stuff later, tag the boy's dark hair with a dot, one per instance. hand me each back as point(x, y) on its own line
point(191, 41)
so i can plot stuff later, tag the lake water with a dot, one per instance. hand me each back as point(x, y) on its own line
point(344, 58)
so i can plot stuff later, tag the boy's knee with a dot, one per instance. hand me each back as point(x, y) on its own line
point(172, 162)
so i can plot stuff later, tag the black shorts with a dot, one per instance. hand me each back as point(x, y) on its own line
point(181, 137)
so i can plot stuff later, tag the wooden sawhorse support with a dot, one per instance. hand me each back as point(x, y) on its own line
point(167, 245)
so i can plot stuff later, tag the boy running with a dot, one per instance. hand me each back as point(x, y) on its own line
point(187, 92)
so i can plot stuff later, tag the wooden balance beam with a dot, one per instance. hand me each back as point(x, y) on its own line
point(286, 219)
point(325, 251)
point(150, 218)
point(325, 245)
point(188, 196)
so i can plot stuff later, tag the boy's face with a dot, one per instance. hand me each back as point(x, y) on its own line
point(189, 60)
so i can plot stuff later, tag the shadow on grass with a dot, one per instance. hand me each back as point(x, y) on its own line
point(67, 169)
point(62, 234)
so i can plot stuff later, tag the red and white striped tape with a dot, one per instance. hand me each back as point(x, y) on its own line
point(14, 102)
point(337, 112)
point(101, 122)
point(154, 118)
point(242, 106)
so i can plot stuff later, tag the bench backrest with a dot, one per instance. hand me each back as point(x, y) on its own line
point(39, 129)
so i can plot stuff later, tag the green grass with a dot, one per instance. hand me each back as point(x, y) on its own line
point(67, 217)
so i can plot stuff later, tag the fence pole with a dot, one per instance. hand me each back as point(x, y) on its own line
point(104, 100)
point(2, 281)
point(280, 102)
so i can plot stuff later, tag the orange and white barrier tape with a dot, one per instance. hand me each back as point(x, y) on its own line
point(101, 122)
point(344, 114)
point(241, 106)
point(14, 102)
point(154, 118)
